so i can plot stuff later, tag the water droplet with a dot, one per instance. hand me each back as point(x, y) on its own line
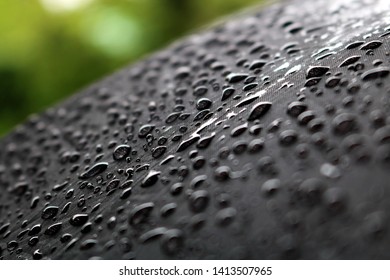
point(350, 60)
point(203, 103)
point(222, 173)
point(37, 255)
point(141, 213)
point(225, 216)
point(237, 131)
point(259, 110)
point(335, 200)
point(152, 234)
point(344, 123)
point(382, 135)
point(204, 142)
point(295, 108)
point(199, 200)
point(168, 209)
point(53, 229)
point(316, 71)
point(271, 187)
point(79, 220)
point(94, 170)
point(126, 193)
point(185, 144)
point(371, 45)
point(88, 244)
point(311, 190)
point(247, 101)
point(226, 93)
point(288, 137)
point(256, 64)
point(145, 130)
point(49, 212)
point(121, 152)
point(158, 151)
point(379, 72)
point(354, 45)
point(35, 230)
point(236, 77)
point(375, 225)
point(172, 241)
point(330, 171)
point(150, 179)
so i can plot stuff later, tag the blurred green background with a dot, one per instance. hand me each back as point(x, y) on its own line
point(51, 48)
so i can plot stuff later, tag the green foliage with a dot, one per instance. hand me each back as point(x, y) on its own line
point(47, 54)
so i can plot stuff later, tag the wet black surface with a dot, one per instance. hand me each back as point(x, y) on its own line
point(267, 137)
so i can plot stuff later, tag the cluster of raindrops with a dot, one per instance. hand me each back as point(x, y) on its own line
point(242, 137)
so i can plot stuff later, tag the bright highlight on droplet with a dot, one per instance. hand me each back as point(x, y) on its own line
point(64, 5)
